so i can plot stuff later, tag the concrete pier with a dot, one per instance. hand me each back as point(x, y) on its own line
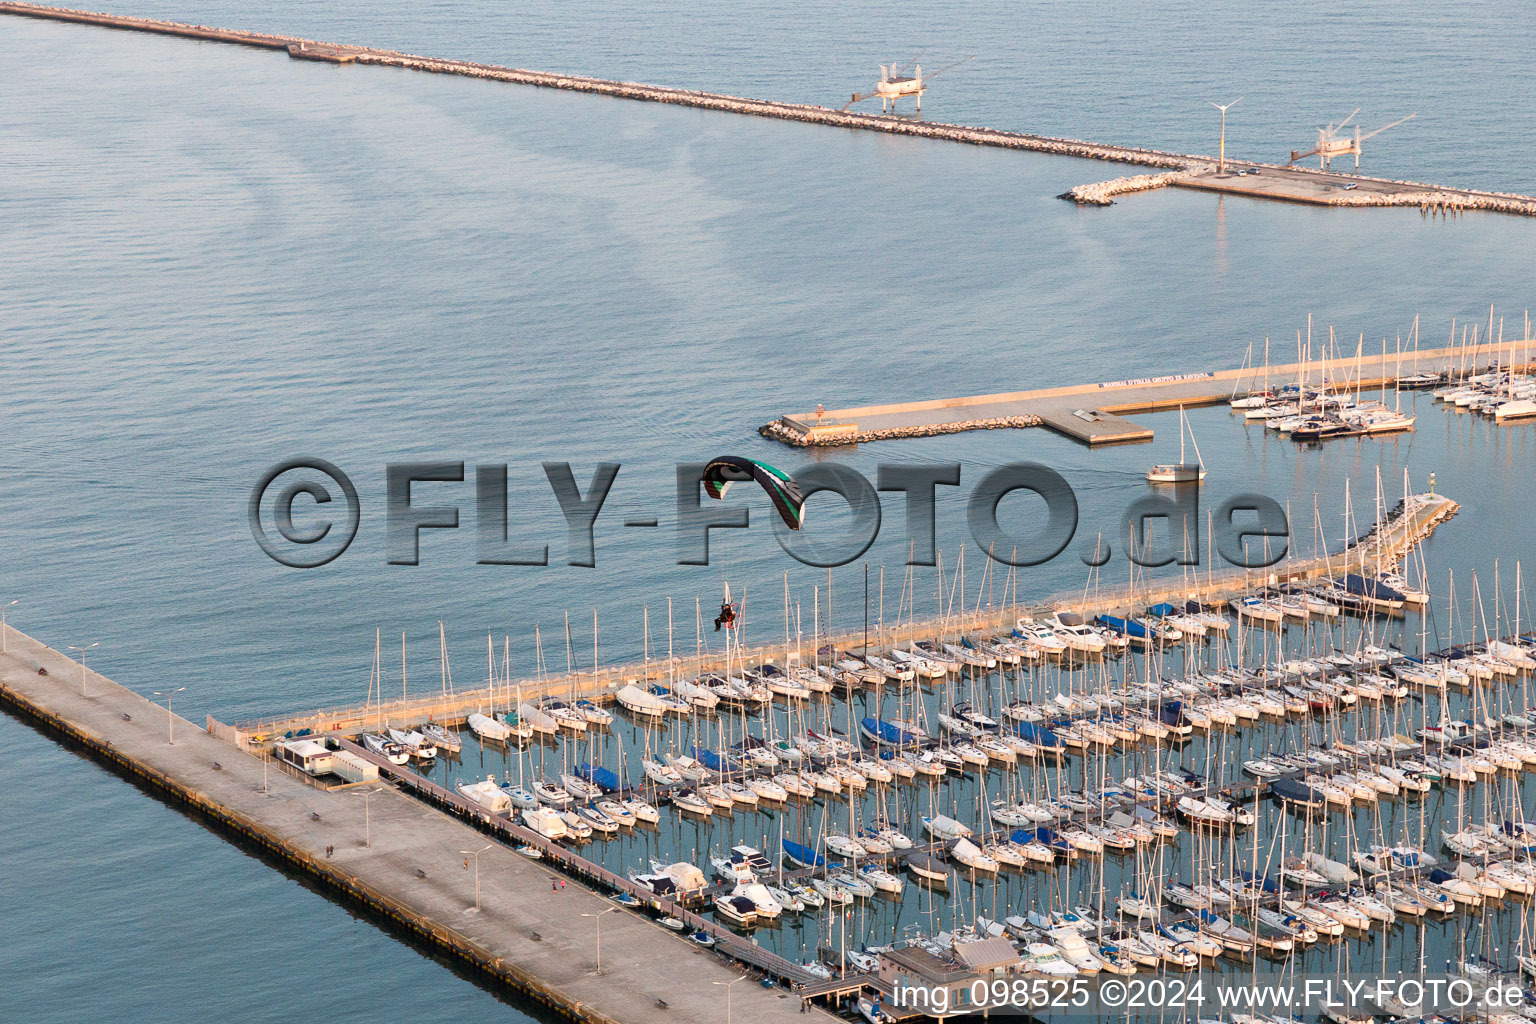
point(1094, 413)
point(398, 857)
point(1292, 183)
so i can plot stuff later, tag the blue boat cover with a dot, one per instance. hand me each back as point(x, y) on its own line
point(884, 732)
point(601, 777)
point(803, 855)
point(1038, 735)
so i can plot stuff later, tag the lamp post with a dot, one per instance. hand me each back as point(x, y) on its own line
point(5, 647)
point(368, 817)
point(1221, 159)
point(476, 854)
point(599, 916)
point(170, 720)
point(728, 986)
point(82, 650)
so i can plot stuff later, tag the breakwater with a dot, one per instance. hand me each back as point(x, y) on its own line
point(1294, 184)
point(1094, 413)
point(393, 855)
point(778, 430)
point(1102, 193)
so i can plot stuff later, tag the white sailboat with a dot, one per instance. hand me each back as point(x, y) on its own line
point(1180, 472)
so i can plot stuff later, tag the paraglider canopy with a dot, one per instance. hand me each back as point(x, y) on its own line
point(785, 494)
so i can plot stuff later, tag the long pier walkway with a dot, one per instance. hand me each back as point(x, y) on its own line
point(1386, 544)
point(396, 856)
point(1293, 184)
point(1095, 413)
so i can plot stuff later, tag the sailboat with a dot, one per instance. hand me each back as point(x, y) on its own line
point(1180, 472)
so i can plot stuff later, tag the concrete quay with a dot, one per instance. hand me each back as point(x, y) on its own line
point(1095, 413)
point(1297, 184)
point(397, 857)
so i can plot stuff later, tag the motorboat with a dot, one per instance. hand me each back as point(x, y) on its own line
point(1039, 634)
point(488, 794)
point(738, 910)
point(546, 821)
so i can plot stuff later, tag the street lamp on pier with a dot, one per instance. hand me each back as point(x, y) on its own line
point(599, 916)
point(170, 719)
point(82, 650)
point(728, 986)
point(4, 640)
point(476, 854)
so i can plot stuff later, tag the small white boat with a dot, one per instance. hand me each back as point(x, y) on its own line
point(416, 743)
point(881, 879)
point(839, 845)
point(688, 801)
point(488, 794)
point(538, 720)
point(766, 906)
point(565, 716)
point(945, 828)
point(1039, 634)
point(767, 789)
point(575, 826)
point(580, 788)
point(618, 812)
point(386, 748)
point(1180, 472)
point(641, 702)
point(442, 738)
point(969, 854)
point(662, 774)
point(594, 714)
point(546, 821)
point(487, 728)
point(551, 794)
point(642, 811)
point(521, 796)
point(736, 909)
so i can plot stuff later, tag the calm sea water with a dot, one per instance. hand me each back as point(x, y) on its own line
point(219, 258)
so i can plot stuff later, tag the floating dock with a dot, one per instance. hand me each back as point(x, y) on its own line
point(398, 858)
point(1296, 184)
point(1095, 413)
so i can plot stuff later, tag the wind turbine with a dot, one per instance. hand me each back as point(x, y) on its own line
point(1221, 159)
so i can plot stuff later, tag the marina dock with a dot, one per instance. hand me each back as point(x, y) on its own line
point(1095, 413)
point(1386, 544)
point(1290, 183)
point(396, 857)
point(401, 846)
